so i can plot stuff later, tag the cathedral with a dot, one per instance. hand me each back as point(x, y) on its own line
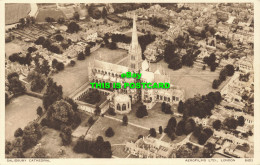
point(121, 99)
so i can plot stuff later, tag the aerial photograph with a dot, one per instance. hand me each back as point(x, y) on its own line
point(129, 80)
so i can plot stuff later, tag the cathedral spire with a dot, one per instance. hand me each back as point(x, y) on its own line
point(134, 42)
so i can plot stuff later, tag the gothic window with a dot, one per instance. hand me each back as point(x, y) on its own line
point(118, 107)
point(177, 98)
point(132, 57)
point(169, 99)
point(151, 98)
point(128, 106)
point(165, 98)
point(133, 66)
point(173, 98)
point(161, 97)
point(123, 107)
point(158, 97)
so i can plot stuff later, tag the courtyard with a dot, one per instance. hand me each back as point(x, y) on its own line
point(19, 112)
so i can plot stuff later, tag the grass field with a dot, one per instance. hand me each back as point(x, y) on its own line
point(53, 13)
point(11, 48)
point(193, 80)
point(176, 140)
point(52, 143)
point(15, 11)
point(154, 119)
point(122, 135)
point(19, 112)
point(108, 55)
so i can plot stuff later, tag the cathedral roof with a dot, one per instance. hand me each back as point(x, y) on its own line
point(110, 66)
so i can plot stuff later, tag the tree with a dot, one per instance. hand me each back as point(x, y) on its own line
point(96, 14)
point(6, 99)
point(163, 106)
point(197, 131)
point(73, 27)
point(72, 63)
point(141, 111)
point(184, 152)
point(104, 12)
point(180, 128)
point(241, 121)
point(91, 120)
point(39, 111)
point(212, 68)
point(230, 69)
point(231, 123)
point(215, 84)
point(52, 94)
point(204, 67)
point(54, 63)
point(87, 50)
point(111, 111)
point(109, 132)
point(170, 128)
point(180, 107)
point(208, 150)
point(18, 132)
point(45, 67)
point(81, 56)
point(202, 138)
point(66, 135)
point(76, 16)
point(31, 134)
point(125, 120)
point(175, 63)
point(40, 41)
point(22, 21)
point(61, 20)
point(16, 86)
point(189, 126)
point(223, 74)
point(216, 124)
point(39, 152)
point(152, 132)
point(160, 130)
point(59, 37)
point(97, 110)
point(60, 66)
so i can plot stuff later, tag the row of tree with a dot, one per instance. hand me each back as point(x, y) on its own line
point(15, 57)
point(14, 84)
point(98, 148)
point(46, 43)
point(228, 70)
point(199, 106)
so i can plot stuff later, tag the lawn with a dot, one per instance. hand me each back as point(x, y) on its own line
point(11, 48)
point(176, 140)
point(71, 78)
point(193, 80)
point(154, 119)
point(53, 13)
point(19, 112)
point(52, 143)
point(15, 11)
point(122, 135)
point(108, 55)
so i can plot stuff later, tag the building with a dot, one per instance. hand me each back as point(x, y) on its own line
point(148, 147)
point(101, 72)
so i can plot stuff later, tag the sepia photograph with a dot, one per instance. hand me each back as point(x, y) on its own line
point(129, 80)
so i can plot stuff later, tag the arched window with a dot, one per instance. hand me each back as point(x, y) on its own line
point(123, 107)
point(118, 107)
point(128, 106)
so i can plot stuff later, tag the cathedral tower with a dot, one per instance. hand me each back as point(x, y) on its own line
point(135, 51)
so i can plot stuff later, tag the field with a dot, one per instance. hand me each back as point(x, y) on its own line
point(122, 135)
point(53, 13)
point(108, 55)
point(71, 78)
point(19, 113)
point(193, 80)
point(15, 11)
point(154, 119)
point(52, 143)
point(11, 48)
